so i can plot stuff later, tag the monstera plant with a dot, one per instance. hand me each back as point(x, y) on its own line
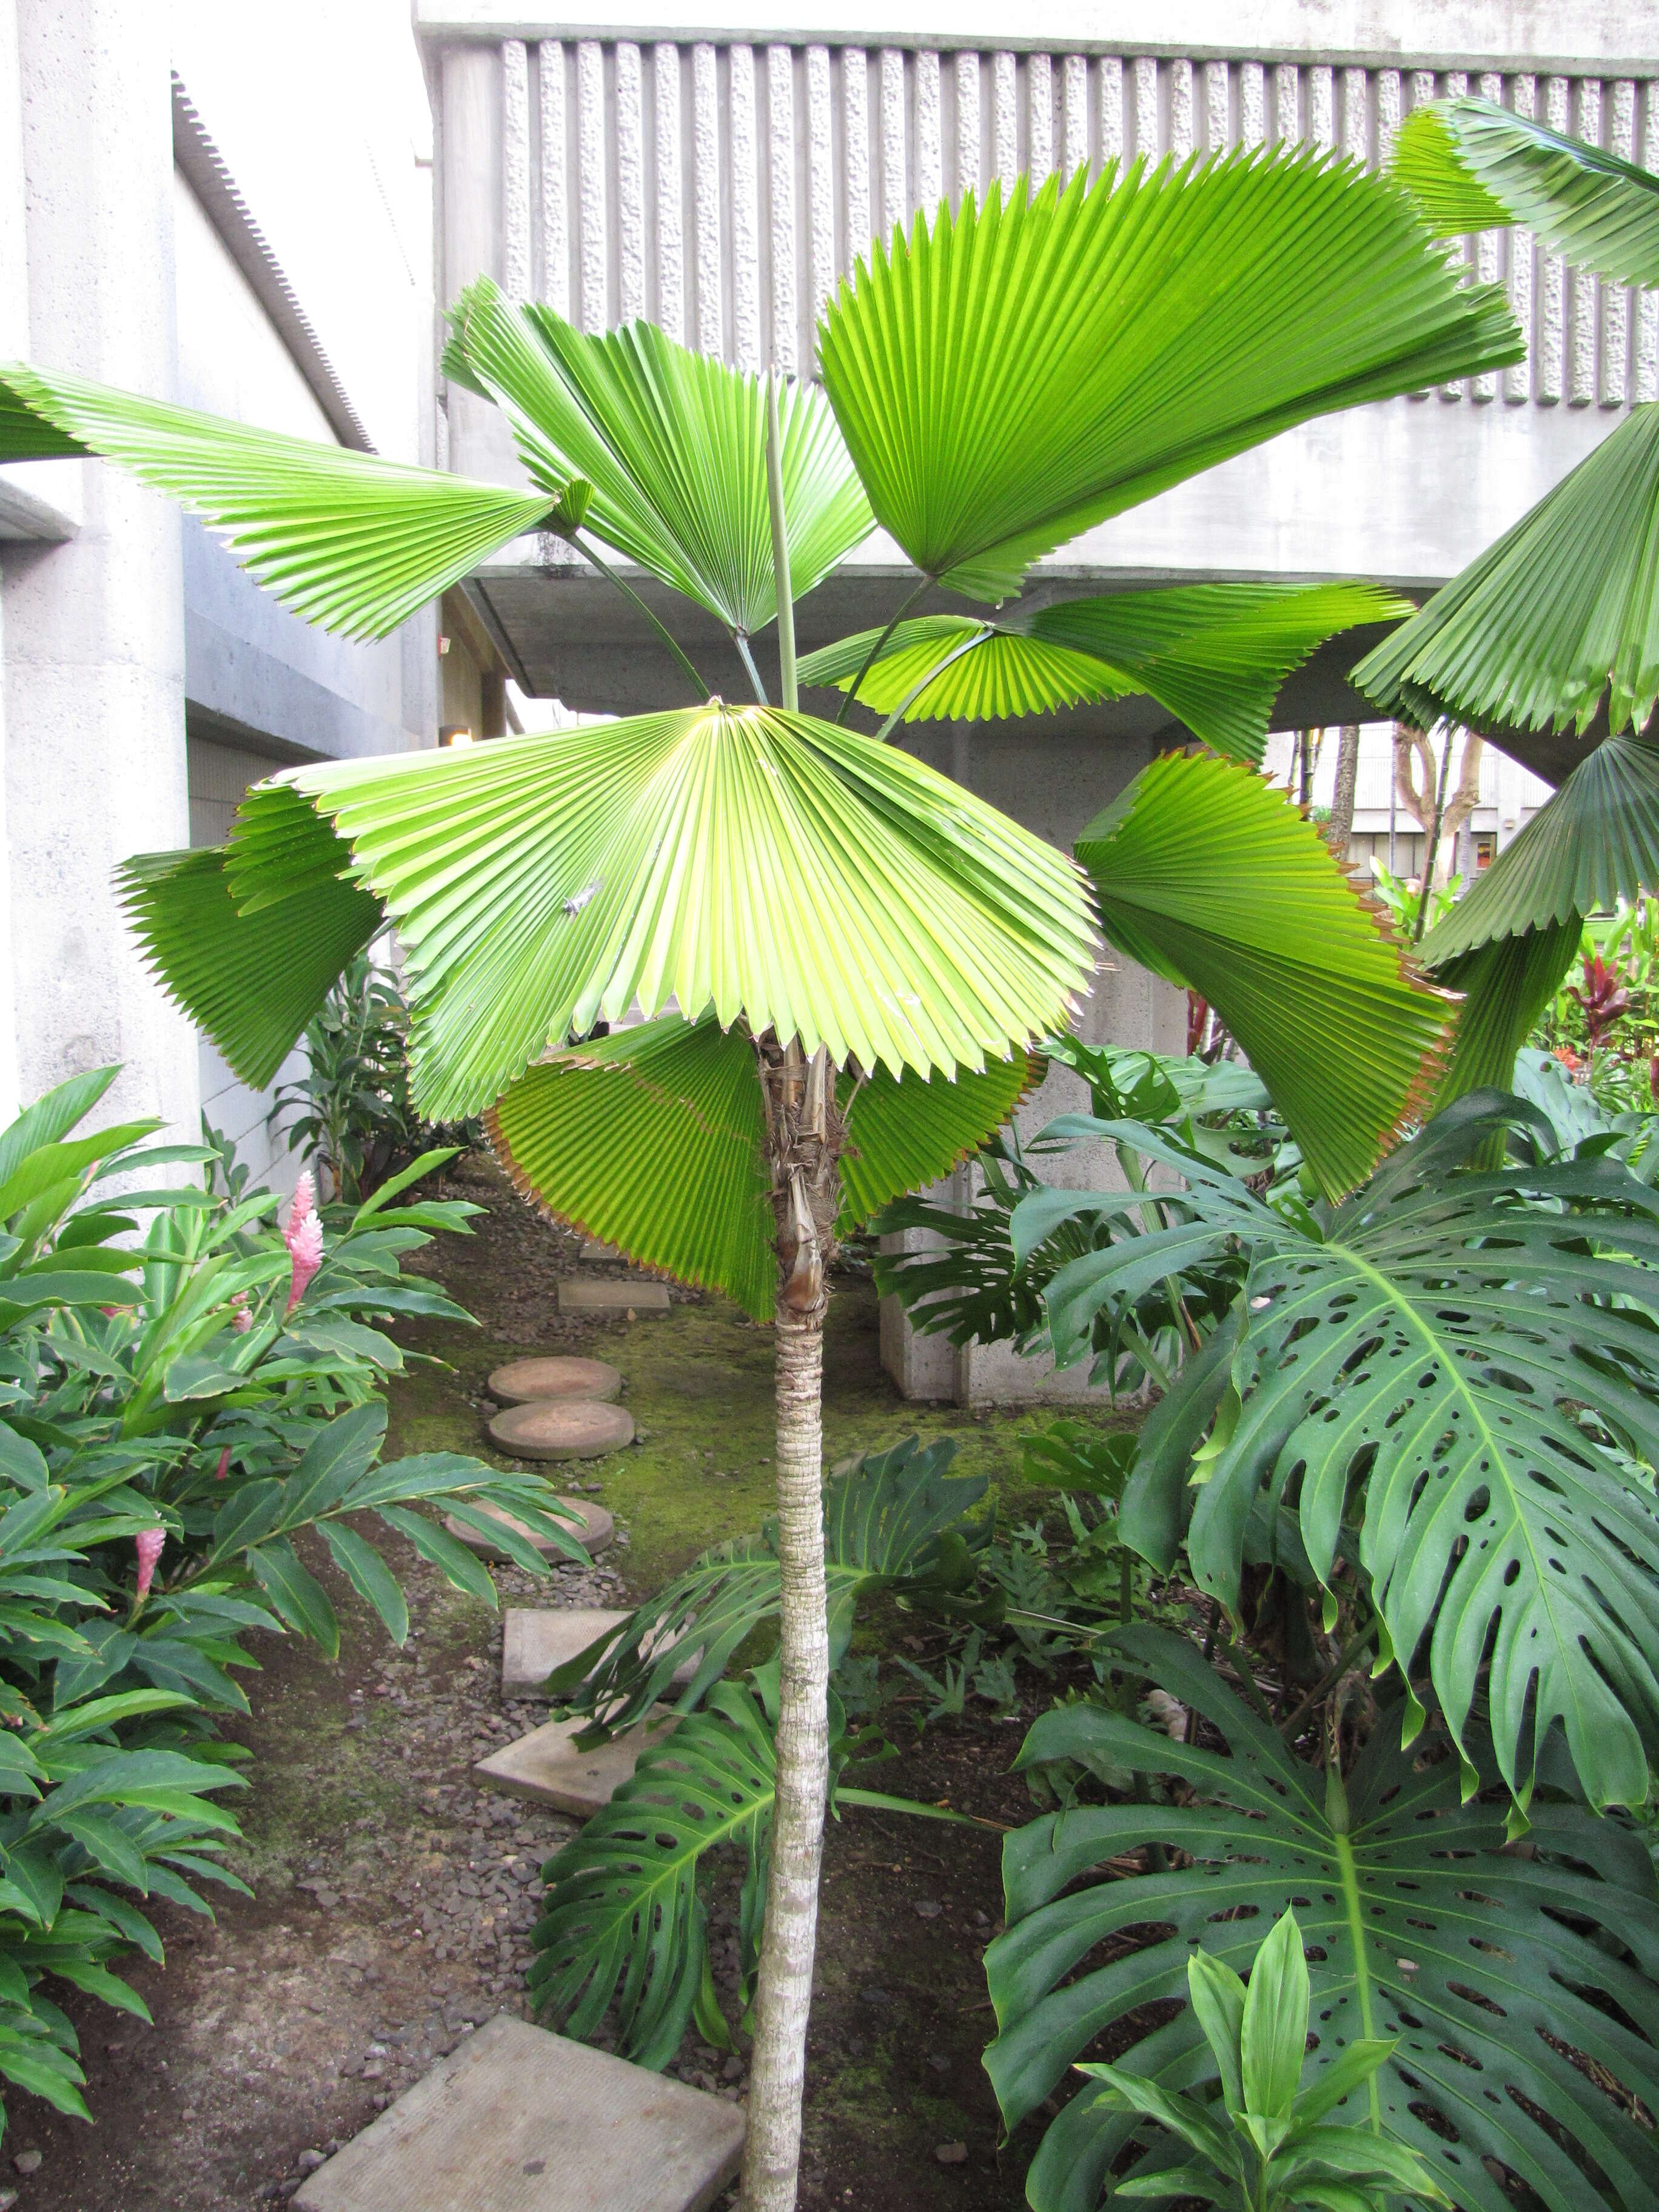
point(842, 958)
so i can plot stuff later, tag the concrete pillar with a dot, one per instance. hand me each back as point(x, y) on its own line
point(94, 694)
point(479, 442)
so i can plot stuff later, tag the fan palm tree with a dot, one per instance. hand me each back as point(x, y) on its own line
point(1553, 629)
point(842, 959)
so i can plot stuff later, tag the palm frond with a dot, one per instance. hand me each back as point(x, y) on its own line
point(1521, 1989)
point(352, 543)
point(1214, 655)
point(904, 1134)
point(1444, 1337)
point(1209, 877)
point(749, 863)
point(674, 446)
point(1007, 375)
point(1560, 613)
point(1506, 984)
point(1471, 165)
point(654, 1140)
point(250, 981)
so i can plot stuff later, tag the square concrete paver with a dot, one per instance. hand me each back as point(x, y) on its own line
point(536, 1641)
point(517, 2120)
point(607, 1295)
point(546, 1767)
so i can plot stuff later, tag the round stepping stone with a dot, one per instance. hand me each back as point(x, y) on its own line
point(563, 1428)
point(523, 1381)
point(591, 1525)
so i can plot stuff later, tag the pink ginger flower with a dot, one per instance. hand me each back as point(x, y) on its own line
point(241, 1319)
point(224, 1467)
point(303, 1237)
point(148, 1543)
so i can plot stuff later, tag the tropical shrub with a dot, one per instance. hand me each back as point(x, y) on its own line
point(351, 1109)
point(176, 1410)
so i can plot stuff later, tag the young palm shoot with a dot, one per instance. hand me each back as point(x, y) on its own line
point(1280, 2152)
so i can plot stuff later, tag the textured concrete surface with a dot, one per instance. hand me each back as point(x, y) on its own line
point(612, 1295)
point(554, 1376)
point(546, 1767)
point(517, 2120)
point(562, 1428)
point(595, 1528)
point(536, 1640)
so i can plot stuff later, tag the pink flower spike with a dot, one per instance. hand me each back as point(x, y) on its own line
point(148, 1543)
point(224, 1467)
point(305, 1246)
point(241, 1319)
point(303, 1206)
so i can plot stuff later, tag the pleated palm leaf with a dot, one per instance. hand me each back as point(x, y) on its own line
point(1555, 625)
point(842, 958)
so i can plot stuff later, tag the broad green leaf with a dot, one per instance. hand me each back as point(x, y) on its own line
point(1275, 2027)
point(673, 444)
point(1182, 2116)
point(1559, 615)
point(1439, 1339)
point(1209, 877)
point(350, 542)
point(251, 980)
point(903, 1134)
point(1008, 375)
point(1515, 1986)
point(1214, 655)
point(295, 1593)
point(1217, 1996)
point(1471, 165)
point(738, 861)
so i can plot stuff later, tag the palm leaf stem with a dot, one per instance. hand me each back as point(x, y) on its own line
point(742, 644)
point(699, 688)
point(938, 668)
point(788, 687)
point(875, 651)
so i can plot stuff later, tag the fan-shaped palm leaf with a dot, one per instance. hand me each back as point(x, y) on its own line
point(1506, 984)
point(892, 1521)
point(251, 981)
point(352, 543)
point(1560, 613)
point(1020, 371)
point(673, 444)
point(756, 864)
point(1440, 1338)
point(1522, 1990)
point(1214, 655)
point(1209, 877)
point(1470, 165)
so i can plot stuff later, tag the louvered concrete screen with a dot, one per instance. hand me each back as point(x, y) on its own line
point(723, 189)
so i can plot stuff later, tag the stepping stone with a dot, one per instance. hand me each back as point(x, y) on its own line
point(594, 1528)
point(536, 1640)
point(517, 2120)
point(546, 1767)
point(521, 1382)
point(601, 1255)
point(612, 1295)
point(562, 1428)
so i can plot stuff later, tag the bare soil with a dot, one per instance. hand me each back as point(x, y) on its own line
point(393, 1900)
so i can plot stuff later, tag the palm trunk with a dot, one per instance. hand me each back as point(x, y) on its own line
point(1339, 829)
point(803, 1135)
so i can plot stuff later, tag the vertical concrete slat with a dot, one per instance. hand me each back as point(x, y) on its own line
point(670, 189)
point(1146, 131)
point(1322, 106)
point(1181, 108)
point(1456, 85)
point(1074, 146)
point(1357, 116)
point(1005, 122)
point(1517, 377)
point(1552, 286)
point(1647, 302)
point(1252, 104)
point(1217, 105)
point(968, 123)
point(781, 149)
point(706, 194)
point(930, 145)
point(745, 212)
point(1488, 258)
point(895, 183)
point(1288, 102)
point(592, 186)
point(820, 184)
point(555, 176)
point(1615, 298)
point(1039, 119)
point(1581, 390)
point(631, 184)
point(1388, 114)
point(1111, 109)
point(855, 121)
point(515, 169)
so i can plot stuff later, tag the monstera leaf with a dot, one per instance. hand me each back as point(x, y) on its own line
point(891, 1520)
point(1522, 1990)
point(1468, 1355)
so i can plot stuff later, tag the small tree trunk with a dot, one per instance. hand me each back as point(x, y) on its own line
point(1340, 830)
point(803, 1143)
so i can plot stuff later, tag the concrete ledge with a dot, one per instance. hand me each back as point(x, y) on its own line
point(517, 2120)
